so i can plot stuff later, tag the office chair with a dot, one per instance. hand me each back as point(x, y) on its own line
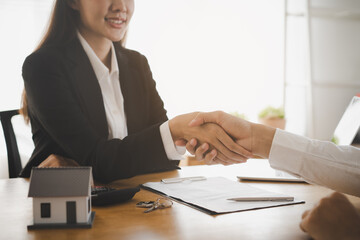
point(14, 161)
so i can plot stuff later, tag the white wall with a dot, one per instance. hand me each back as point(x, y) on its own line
point(335, 58)
point(336, 61)
point(212, 55)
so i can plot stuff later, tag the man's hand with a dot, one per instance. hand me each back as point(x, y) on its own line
point(57, 161)
point(334, 217)
point(209, 136)
point(227, 122)
point(255, 138)
point(237, 128)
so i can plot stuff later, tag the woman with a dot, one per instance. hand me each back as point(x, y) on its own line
point(91, 100)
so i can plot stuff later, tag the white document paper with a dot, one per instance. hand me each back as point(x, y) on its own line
point(211, 195)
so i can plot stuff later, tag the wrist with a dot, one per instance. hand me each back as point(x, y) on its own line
point(261, 139)
point(179, 126)
point(175, 129)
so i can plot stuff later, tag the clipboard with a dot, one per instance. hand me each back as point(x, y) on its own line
point(212, 195)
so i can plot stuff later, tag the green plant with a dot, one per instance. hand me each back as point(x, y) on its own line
point(239, 115)
point(271, 112)
point(335, 140)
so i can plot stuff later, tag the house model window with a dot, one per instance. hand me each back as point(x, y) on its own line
point(45, 210)
point(61, 197)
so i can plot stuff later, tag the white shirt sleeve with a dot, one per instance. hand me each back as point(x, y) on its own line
point(173, 152)
point(319, 162)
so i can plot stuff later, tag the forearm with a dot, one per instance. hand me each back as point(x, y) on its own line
point(136, 154)
point(319, 162)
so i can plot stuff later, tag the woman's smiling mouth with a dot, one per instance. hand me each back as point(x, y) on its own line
point(115, 22)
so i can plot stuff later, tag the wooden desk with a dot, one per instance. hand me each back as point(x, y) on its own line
point(125, 221)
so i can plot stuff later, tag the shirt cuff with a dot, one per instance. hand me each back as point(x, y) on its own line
point(173, 152)
point(286, 152)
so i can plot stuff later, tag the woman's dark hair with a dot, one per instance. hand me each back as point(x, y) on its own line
point(63, 24)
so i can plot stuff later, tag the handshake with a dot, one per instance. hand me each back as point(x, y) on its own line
point(218, 137)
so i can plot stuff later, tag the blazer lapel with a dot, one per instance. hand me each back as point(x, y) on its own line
point(87, 88)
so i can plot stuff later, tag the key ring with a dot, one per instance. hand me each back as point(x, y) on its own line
point(160, 203)
point(163, 203)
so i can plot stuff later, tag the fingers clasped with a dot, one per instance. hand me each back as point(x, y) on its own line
point(213, 145)
point(202, 152)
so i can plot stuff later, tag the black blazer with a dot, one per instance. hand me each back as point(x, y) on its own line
point(68, 118)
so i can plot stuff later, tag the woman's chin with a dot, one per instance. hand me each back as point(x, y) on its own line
point(116, 37)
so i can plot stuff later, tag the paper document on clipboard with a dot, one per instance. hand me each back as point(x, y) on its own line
point(217, 195)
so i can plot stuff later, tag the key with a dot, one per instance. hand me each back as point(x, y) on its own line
point(160, 203)
point(153, 208)
point(145, 204)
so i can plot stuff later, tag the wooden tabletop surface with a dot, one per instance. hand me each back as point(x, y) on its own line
point(126, 221)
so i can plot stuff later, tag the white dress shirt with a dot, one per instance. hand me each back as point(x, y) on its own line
point(114, 102)
point(319, 162)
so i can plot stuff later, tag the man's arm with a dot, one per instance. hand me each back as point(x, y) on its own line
point(319, 162)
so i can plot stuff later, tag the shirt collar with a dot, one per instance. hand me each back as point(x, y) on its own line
point(99, 67)
point(114, 62)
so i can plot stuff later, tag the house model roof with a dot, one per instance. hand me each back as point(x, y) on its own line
point(60, 182)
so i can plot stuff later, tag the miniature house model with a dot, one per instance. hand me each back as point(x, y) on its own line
point(61, 197)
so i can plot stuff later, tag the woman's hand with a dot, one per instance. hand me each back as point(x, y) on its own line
point(237, 128)
point(210, 136)
point(201, 153)
point(255, 138)
point(57, 161)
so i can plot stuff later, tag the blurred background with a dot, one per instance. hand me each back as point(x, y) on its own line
point(239, 56)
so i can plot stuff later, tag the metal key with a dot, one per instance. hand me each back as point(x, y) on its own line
point(160, 203)
point(154, 207)
point(145, 204)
